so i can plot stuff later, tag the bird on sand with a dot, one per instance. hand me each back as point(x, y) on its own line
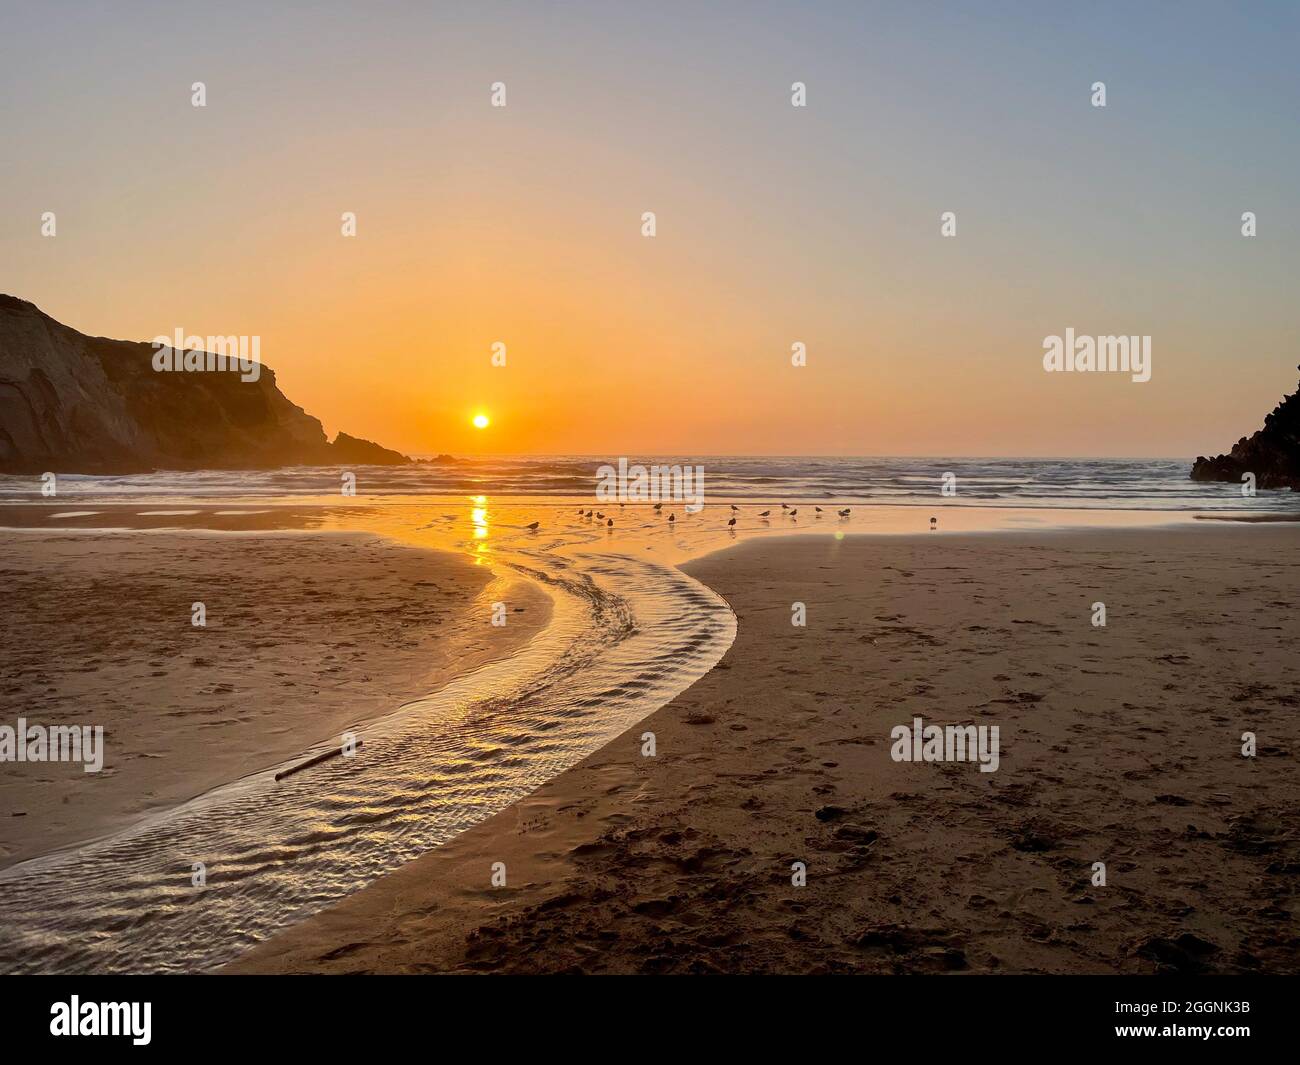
point(765, 514)
point(599, 514)
point(784, 507)
point(844, 513)
point(735, 509)
point(818, 509)
point(533, 525)
point(610, 523)
point(589, 514)
point(934, 523)
point(732, 523)
point(672, 517)
point(794, 512)
point(659, 506)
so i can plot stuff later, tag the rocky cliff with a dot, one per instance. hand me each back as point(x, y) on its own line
point(1272, 454)
point(76, 404)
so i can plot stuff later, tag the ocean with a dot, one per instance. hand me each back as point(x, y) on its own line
point(1070, 483)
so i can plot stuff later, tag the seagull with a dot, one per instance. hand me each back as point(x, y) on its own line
point(784, 507)
point(794, 512)
point(659, 506)
point(735, 509)
point(533, 526)
point(732, 523)
point(765, 514)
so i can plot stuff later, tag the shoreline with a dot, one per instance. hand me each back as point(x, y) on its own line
point(306, 634)
point(681, 862)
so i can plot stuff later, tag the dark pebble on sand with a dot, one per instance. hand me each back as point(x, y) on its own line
point(830, 813)
point(1183, 954)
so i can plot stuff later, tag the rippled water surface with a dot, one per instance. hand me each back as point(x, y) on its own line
point(626, 635)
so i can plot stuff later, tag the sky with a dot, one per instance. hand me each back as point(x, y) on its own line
point(775, 224)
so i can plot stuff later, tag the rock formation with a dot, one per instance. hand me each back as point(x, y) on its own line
point(357, 452)
point(1272, 454)
point(71, 403)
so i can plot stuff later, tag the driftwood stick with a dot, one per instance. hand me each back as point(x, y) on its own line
point(325, 757)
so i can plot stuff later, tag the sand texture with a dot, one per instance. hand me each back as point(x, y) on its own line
point(1119, 745)
point(306, 635)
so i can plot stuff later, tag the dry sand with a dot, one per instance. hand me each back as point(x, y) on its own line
point(1119, 744)
point(306, 635)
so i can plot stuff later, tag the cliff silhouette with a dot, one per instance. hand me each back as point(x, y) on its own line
point(77, 404)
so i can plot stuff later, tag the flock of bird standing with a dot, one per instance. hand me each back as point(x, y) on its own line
point(787, 511)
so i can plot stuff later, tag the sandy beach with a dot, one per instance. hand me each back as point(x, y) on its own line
point(1119, 744)
point(305, 636)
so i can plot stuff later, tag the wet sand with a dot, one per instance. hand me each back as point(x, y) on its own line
point(306, 636)
point(1119, 745)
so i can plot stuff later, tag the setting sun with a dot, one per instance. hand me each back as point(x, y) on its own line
point(481, 421)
